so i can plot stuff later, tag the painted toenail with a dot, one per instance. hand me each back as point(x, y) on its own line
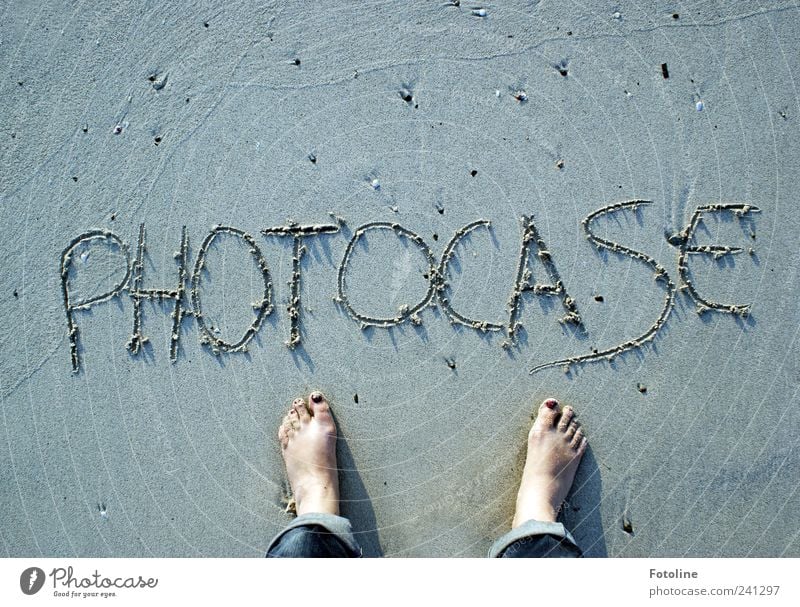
point(316, 397)
point(551, 403)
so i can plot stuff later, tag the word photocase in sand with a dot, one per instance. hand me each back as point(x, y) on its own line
point(437, 292)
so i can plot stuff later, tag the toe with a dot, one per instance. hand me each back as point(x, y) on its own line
point(566, 418)
point(571, 430)
point(582, 447)
point(320, 407)
point(292, 422)
point(548, 414)
point(577, 439)
point(285, 431)
point(299, 407)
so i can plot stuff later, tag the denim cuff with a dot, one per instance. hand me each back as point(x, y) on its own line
point(337, 525)
point(529, 529)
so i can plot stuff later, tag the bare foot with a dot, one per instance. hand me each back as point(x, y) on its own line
point(308, 446)
point(555, 447)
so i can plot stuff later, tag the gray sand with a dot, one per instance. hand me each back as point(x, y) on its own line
point(251, 116)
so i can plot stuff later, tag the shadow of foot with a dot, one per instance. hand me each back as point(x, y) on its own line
point(354, 502)
point(581, 514)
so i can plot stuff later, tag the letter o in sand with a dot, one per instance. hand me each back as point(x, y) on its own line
point(265, 307)
point(405, 314)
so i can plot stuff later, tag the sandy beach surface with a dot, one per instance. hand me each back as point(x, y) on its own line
point(438, 215)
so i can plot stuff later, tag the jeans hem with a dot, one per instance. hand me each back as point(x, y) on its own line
point(337, 525)
point(532, 528)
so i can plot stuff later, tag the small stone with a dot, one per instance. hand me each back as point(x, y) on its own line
point(627, 526)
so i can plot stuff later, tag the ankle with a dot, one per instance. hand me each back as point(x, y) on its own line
point(541, 511)
point(316, 498)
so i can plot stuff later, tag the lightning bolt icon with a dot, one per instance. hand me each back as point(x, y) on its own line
point(34, 575)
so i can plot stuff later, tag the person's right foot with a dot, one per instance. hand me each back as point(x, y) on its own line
point(555, 447)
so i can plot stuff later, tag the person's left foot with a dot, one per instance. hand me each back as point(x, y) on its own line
point(308, 446)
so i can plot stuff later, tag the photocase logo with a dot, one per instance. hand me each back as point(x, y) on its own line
point(31, 580)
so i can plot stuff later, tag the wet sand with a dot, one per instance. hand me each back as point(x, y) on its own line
point(438, 216)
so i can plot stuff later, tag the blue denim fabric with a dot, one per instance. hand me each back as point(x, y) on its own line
point(330, 536)
point(536, 539)
point(317, 536)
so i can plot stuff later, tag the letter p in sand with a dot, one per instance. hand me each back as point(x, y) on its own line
point(96, 238)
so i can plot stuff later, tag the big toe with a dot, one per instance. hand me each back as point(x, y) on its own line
point(548, 414)
point(320, 407)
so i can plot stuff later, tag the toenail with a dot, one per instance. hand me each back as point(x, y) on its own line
point(316, 397)
point(551, 403)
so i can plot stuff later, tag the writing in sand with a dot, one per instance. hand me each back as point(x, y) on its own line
point(186, 296)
